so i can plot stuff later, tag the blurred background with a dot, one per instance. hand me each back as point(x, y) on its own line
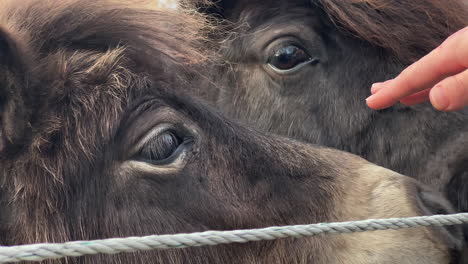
point(166, 3)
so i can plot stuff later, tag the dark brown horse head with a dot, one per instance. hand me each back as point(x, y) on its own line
point(303, 69)
point(99, 139)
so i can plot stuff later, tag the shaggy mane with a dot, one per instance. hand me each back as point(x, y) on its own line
point(106, 23)
point(408, 28)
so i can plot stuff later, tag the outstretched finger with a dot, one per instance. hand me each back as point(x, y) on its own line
point(448, 59)
point(416, 98)
point(451, 94)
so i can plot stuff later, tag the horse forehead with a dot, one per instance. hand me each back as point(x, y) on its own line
point(271, 9)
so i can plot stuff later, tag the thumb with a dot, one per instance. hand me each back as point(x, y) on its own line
point(451, 94)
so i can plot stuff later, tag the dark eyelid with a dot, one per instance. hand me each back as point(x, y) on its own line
point(149, 144)
point(184, 145)
point(282, 40)
point(139, 123)
point(147, 136)
point(295, 31)
point(134, 114)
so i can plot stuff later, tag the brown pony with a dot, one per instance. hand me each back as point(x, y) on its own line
point(303, 69)
point(100, 139)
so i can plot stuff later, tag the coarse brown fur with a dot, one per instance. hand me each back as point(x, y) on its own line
point(99, 138)
point(408, 28)
point(350, 45)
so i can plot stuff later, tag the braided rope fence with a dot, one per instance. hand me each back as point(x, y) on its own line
point(37, 252)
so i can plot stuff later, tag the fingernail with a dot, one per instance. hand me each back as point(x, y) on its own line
point(370, 98)
point(438, 98)
point(379, 85)
point(376, 87)
point(370, 101)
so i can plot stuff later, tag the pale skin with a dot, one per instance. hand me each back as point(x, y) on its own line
point(441, 77)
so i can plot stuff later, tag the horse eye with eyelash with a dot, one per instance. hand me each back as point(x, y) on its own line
point(160, 147)
point(288, 58)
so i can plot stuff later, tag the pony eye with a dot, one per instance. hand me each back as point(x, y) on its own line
point(288, 58)
point(160, 147)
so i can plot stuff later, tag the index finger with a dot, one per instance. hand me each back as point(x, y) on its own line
point(448, 59)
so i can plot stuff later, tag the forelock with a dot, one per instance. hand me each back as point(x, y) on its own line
point(408, 28)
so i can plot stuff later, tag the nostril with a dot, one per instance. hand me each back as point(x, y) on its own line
point(433, 203)
point(457, 190)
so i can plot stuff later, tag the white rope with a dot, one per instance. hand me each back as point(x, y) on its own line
point(38, 252)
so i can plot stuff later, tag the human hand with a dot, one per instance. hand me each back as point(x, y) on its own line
point(441, 77)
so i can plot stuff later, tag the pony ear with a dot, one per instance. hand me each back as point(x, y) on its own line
point(13, 75)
